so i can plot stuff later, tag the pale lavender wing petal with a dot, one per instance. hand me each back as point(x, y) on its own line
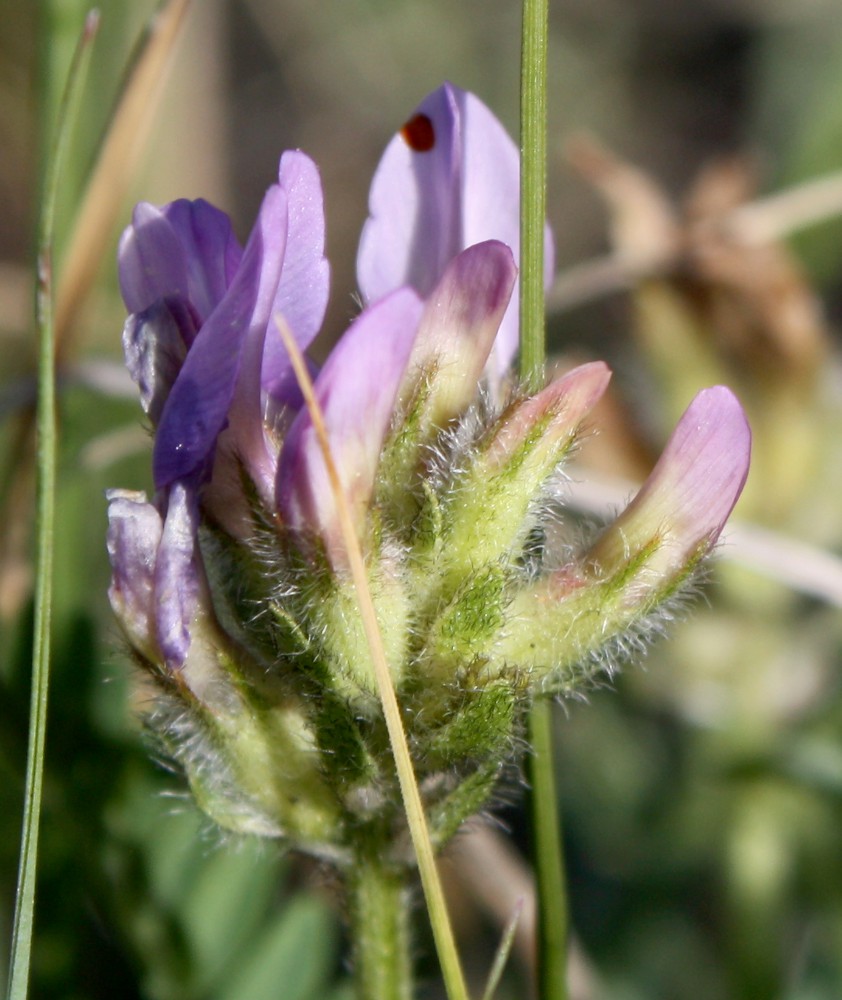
point(415, 221)
point(198, 405)
point(305, 277)
point(702, 471)
point(134, 534)
point(155, 343)
point(448, 180)
point(356, 389)
point(176, 580)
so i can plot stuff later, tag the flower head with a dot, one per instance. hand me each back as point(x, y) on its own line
point(232, 584)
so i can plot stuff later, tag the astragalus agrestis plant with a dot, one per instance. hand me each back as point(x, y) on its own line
point(233, 582)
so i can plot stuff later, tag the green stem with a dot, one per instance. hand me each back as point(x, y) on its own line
point(552, 923)
point(552, 920)
point(379, 909)
point(533, 189)
point(24, 919)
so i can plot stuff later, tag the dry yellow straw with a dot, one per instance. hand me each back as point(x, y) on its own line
point(416, 819)
point(107, 188)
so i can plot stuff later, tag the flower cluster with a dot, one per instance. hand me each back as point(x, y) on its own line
point(232, 585)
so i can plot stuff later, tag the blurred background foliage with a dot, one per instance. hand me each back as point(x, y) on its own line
point(702, 794)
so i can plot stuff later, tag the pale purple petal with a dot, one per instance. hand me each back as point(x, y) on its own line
point(459, 324)
point(682, 507)
point(449, 179)
point(305, 277)
point(198, 405)
point(415, 206)
point(491, 208)
point(356, 389)
point(177, 580)
point(155, 343)
point(134, 534)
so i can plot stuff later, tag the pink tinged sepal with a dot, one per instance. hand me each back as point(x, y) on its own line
point(305, 277)
point(356, 390)
point(495, 503)
point(460, 321)
point(197, 408)
point(681, 509)
point(449, 179)
point(546, 423)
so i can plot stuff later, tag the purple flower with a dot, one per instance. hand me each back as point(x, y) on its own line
point(212, 372)
point(232, 583)
point(196, 342)
point(157, 586)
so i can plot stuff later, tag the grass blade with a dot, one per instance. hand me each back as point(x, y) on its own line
point(25, 900)
point(501, 956)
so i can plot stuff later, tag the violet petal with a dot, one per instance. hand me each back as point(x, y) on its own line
point(152, 260)
point(211, 250)
point(198, 405)
point(305, 278)
point(184, 250)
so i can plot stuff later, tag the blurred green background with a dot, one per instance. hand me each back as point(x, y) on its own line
point(702, 795)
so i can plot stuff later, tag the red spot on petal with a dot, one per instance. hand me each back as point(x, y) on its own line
point(419, 134)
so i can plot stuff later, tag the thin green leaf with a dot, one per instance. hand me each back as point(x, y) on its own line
point(501, 956)
point(25, 901)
